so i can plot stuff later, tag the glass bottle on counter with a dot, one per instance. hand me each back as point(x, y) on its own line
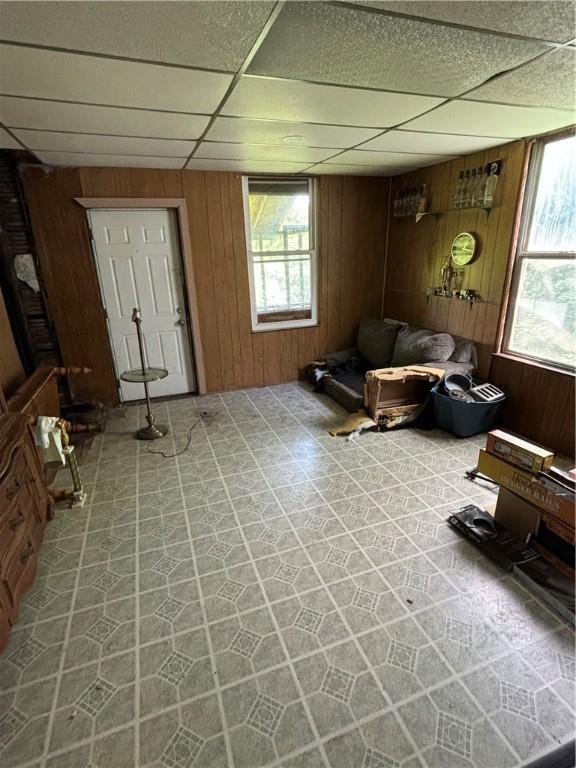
point(459, 190)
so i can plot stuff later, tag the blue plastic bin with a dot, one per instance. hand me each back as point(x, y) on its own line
point(461, 418)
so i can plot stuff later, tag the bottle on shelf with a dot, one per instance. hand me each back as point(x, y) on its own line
point(422, 205)
point(478, 187)
point(465, 190)
point(471, 189)
point(493, 170)
point(459, 190)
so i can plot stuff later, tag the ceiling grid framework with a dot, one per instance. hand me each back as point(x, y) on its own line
point(364, 88)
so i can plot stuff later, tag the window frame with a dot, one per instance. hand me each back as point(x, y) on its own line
point(522, 254)
point(259, 326)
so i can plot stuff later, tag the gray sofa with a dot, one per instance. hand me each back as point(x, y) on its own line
point(383, 343)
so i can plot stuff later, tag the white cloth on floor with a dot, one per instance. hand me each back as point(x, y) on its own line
point(49, 438)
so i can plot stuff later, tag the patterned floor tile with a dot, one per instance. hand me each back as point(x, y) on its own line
point(338, 557)
point(381, 743)
point(288, 573)
point(461, 633)
point(521, 705)
point(266, 718)
point(417, 582)
point(273, 595)
point(245, 645)
point(450, 730)
point(366, 601)
point(553, 659)
point(168, 611)
point(403, 659)
point(309, 622)
point(384, 543)
point(101, 631)
point(318, 524)
point(232, 591)
point(174, 670)
point(339, 688)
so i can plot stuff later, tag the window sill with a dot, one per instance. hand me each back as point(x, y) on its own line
point(515, 358)
point(290, 326)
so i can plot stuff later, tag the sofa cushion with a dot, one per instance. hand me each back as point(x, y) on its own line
point(421, 346)
point(464, 351)
point(376, 340)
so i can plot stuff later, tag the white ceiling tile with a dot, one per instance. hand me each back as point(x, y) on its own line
point(431, 143)
point(273, 131)
point(550, 81)
point(244, 166)
point(199, 34)
point(112, 145)
point(109, 161)
point(349, 46)
point(292, 100)
point(83, 118)
point(388, 159)
point(71, 77)
point(546, 20)
point(7, 142)
point(335, 169)
point(477, 118)
point(263, 152)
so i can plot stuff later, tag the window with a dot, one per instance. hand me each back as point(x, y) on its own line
point(541, 318)
point(281, 257)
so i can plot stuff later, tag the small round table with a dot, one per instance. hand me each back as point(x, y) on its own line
point(144, 376)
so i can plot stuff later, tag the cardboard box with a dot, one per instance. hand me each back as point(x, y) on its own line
point(516, 514)
point(394, 392)
point(519, 452)
point(540, 490)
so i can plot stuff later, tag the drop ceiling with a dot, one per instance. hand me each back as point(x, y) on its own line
point(362, 88)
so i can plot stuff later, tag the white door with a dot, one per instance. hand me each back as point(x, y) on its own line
point(139, 265)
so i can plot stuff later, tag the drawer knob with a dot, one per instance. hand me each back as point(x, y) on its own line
point(25, 554)
point(12, 490)
point(17, 520)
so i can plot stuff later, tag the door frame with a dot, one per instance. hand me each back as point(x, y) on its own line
point(177, 204)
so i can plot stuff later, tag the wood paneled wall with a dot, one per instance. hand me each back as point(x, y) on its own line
point(417, 251)
point(11, 370)
point(351, 245)
point(540, 405)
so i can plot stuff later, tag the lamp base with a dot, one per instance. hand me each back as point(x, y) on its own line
point(152, 432)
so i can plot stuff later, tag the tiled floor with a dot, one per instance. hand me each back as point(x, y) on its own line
point(278, 597)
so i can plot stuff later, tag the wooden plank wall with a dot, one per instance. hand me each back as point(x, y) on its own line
point(417, 251)
point(11, 370)
point(351, 244)
point(540, 405)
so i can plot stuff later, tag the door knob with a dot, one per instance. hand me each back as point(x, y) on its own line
point(181, 321)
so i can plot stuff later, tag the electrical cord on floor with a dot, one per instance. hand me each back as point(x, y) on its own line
point(204, 415)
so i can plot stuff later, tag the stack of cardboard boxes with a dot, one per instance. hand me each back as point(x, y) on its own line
point(535, 499)
point(537, 503)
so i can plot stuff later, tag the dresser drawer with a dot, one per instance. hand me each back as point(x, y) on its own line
point(15, 522)
point(16, 478)
point(18, 569)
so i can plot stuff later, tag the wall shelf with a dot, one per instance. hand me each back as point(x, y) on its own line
point(442, 211)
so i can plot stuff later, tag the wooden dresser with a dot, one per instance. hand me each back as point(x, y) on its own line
point(25, 508)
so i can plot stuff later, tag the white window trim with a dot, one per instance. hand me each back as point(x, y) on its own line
point(284, 324)
point(523, 254)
